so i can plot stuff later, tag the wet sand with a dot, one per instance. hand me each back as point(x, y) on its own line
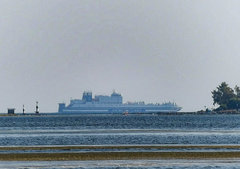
point(117, 156)
point(45, 156)
point(119, 147)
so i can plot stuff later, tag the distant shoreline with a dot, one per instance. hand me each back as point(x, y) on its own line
point(158, 113)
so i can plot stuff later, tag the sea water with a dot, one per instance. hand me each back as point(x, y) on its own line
point(139, 129)
point(119, 129)
point(125, 164)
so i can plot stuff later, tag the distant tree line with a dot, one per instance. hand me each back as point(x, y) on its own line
point(226, 97)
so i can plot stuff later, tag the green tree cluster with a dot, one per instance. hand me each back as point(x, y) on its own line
point(226, 97)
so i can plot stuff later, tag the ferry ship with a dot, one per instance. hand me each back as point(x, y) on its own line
point(113, 104)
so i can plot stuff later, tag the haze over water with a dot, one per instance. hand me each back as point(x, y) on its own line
point(152, 51)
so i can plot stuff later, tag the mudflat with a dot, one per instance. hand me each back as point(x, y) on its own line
point(66, 153)
point(120, 147)
point(116, 156)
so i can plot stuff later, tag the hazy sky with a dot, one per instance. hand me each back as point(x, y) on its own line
point(148, 50)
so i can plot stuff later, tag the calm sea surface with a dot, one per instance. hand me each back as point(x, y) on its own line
point(57, 130)
point(119, 129)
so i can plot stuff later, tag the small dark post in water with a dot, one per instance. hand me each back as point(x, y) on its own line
point(37, 110)
point(23, 110)
point(11, 111)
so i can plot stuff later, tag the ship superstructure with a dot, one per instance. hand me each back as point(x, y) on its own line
point(113, 104)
